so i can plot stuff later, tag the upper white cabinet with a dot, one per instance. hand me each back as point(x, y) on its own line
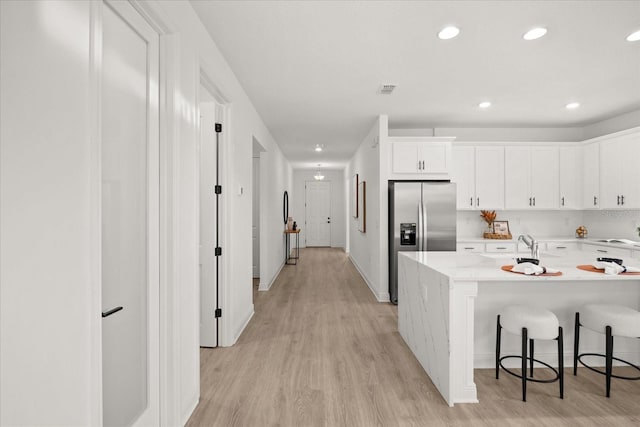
point(531, 177)
point(479, 176)
point(421, 157)
point(463, 174)
point(570, 158)
point(489, 177)
point(620, 172)
point(591, 176)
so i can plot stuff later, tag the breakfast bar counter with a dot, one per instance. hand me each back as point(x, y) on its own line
point(448, 303)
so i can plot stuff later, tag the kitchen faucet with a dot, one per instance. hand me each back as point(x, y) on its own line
point(531, 244)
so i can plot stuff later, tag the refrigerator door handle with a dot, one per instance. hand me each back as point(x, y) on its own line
point(422, 244)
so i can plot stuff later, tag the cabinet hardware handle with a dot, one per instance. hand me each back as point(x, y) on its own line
point(423, 167)
point(478, 201)
point(529, 201)
point(561, 247)
point(603, 251)
point(595, 201)
point(618, 203)
point(418, 164)
point(468, 249)
point(562, 200)
point(622, 200)
point(110, 312)
point(501, 247)
point(534, 201)
point(470, 201)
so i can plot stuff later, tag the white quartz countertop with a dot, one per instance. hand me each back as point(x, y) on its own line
point(486, 267)
point(590, 241)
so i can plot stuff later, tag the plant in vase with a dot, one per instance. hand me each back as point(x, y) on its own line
point(489, 217)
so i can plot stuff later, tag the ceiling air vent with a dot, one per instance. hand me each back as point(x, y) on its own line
point(386, 89)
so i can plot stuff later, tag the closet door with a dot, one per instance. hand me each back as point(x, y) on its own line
point(130, 217)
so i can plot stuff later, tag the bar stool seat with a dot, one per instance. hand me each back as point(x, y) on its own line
point(530, 323)
point(624, 321)
point(610, 320)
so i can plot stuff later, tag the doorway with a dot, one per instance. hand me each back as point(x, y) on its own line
point(210, 208)
point(318, 213)
point(258, 149)
point(130, 208)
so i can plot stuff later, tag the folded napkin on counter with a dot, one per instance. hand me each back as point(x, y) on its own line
point(532, 269)
point(614, 268)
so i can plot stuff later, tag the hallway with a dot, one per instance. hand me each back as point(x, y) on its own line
point(321, 351)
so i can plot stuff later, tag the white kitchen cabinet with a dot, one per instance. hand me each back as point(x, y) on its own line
point(619, 172)
point(591, 176)
point(489, 177)
point(422, 157)
point(562, 246)
point(606, 251)
point(470, 247)
point(463, 174)
point(498, 247)
point(570, 169)
point(531, 177)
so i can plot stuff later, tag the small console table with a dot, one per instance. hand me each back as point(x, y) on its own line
point(287, 255)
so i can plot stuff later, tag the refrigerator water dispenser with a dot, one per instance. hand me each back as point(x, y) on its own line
point(407, 234)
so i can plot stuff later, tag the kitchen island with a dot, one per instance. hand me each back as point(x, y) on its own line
point(448, 303)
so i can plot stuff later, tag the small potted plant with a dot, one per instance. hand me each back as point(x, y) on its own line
point(489, 217)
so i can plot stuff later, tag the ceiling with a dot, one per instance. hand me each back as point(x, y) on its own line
point(312, 68)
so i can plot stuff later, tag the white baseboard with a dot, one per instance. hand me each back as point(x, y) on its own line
point(265, 287)
point(243, 325)
point(380, 296)
point(187, 414)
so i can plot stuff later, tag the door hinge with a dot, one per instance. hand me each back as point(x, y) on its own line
point(218, 127)
point(218, 312)
point(218, 189)
point(218, 251)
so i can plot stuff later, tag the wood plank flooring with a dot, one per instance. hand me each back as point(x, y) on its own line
point(321, 351)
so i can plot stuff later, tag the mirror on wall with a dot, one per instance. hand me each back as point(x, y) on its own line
point(285, 206)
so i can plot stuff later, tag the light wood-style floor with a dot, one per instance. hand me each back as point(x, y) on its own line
point(320, 351)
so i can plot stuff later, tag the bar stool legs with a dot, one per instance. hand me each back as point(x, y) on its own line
point(524, 357)
point(604, 318)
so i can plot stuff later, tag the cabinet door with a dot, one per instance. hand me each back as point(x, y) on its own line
point(517, 191)
point(544, 177)
point(610, 173)
point(630, 171)
point(405, 157)
point(490, 177)
point(464, 177)
point(591, 176)
point(435, 157)
point(570, 172)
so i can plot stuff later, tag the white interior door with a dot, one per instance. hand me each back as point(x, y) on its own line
point(208, 294)
point(130, 218)
point(255, 229)
point(318, 213)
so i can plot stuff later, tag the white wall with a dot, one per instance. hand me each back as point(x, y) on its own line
point(366, 250)
point(50, 327)
point(46, 308)
point(338, 208)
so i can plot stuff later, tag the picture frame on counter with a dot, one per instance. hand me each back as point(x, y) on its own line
point(501, 228)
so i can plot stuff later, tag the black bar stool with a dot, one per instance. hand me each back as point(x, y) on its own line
point(610, 320)
point(531, 323)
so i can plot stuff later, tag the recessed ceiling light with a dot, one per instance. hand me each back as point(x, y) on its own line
point(484, 104)
point(634, 37)
point(448, 33)
point(573, 105)
point(535, 33)
point(318, 148)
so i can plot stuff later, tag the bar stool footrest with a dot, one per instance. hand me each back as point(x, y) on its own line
point(603, 372)
point(507, 370)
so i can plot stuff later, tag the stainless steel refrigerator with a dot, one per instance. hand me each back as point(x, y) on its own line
point(422, 217)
